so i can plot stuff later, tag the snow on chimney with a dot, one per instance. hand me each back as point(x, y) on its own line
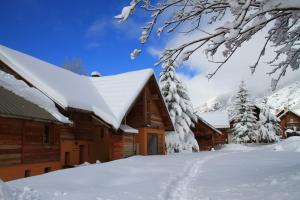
point(95, 74)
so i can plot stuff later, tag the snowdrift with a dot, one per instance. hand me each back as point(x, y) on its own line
point(237, 147)
point(5, 191)
point(8, 193)
point(290, 144)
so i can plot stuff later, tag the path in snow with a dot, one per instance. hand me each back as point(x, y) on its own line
point(178, 187)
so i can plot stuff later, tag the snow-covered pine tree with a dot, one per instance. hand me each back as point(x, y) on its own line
point(244, 126)
point(181, 111)
point(269, 128)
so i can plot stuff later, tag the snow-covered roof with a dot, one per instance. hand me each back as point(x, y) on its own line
point(216, 119)
point(128, 129)
point(120, 91)
point(108, 97)
point(294, 111)
point(209, 125)
point(20, 88)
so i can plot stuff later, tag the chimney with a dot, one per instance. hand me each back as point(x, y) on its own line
point(95, 74)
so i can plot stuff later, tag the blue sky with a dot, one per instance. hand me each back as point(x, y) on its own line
point(54, 30)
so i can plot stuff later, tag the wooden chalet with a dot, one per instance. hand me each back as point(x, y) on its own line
point(112, 117)
point(206, 135)
point(29, 138)
point(289, 123)
point(219, 121)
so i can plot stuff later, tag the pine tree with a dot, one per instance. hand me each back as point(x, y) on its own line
point(181, 111)
point(244, 127)
point(269, 128)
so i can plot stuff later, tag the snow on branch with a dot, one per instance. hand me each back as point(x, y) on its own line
point(236, 22)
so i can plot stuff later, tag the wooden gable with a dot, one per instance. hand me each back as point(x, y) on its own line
point(149, 109)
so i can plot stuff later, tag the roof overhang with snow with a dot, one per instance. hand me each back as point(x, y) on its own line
point(282, 114)
point(128, 129)
point(209, 125)
point(107, 97)
point(219, 120)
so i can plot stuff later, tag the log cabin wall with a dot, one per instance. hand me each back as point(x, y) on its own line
point(129, 147)
point(78, 142)
point(149, 115)
point(23, 148)
point(204, 135)
point(87, 140)
point(289, 121)
point(149, 109)
point(222, 138)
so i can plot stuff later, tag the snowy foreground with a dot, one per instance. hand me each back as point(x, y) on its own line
point(235, 172)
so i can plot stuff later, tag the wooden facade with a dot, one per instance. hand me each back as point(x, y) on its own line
point(206, 136)
point(222, 138)
point(28, 148)
point(88, 139)
point(149, 115)
point(289, 121)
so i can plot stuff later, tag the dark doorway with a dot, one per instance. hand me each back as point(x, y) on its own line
point(27, 173)
point(81, 154)
point(47, 169)
point(152, 144)
point(67, 158)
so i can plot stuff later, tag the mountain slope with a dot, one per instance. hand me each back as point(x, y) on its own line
point(288, 96)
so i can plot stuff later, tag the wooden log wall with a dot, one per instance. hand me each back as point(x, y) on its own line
point(149, 109)
point(21, 141)
point(204, 136)
point(10, 141)
point(223, 138)
point(129, 146)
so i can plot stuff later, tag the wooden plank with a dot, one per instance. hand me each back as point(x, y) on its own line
point(10, 146)
point(9, 156)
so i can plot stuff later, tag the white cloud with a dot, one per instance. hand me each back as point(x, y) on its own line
point(230, 75)
point(98, 27)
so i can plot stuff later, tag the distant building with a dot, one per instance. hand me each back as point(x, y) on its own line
point(211, 129)
point(290, 121)
point(220, 121)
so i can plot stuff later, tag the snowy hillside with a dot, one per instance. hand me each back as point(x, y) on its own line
point(287, 96)
point(269, 172)
point(218, 103)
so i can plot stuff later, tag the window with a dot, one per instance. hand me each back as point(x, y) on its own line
point(46, 135)
point(47, 169)
point(27, 173)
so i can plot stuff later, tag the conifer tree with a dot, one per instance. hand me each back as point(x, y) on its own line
point(181, 111)
point(244, 127)
point(269, 128)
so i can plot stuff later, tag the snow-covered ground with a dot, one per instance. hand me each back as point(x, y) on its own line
point(234, 172)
